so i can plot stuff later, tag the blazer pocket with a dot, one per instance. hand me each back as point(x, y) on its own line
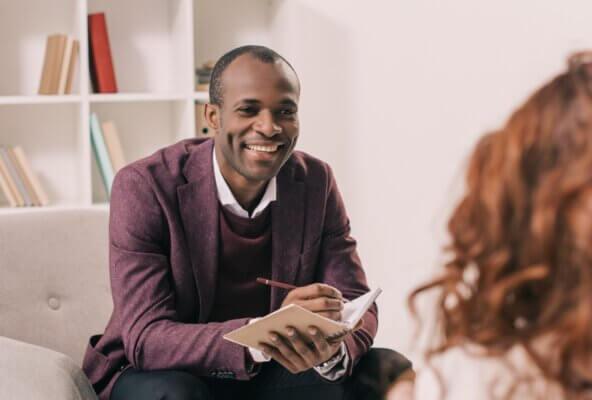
point(97, 365)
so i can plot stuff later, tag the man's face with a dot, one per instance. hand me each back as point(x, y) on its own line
point(257, 123)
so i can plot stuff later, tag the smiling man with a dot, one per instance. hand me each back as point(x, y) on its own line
point(254, 111)
point(192, 227)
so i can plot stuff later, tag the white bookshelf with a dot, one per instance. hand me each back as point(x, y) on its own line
point(156, 46)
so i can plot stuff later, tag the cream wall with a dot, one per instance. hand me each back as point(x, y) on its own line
point(395, 94)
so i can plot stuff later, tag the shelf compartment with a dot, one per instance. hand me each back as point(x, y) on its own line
point(149, 44)
point(143, 128)
point(49, 136)
point(24, 30)
point(249, 21)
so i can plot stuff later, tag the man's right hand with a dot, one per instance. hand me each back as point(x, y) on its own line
point(318, 298)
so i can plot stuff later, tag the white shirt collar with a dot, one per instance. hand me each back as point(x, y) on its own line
point(228, 200)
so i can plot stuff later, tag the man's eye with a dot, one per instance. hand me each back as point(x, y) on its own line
point(287, 112)
point(247, 110)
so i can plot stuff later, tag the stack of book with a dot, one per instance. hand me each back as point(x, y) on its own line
point(18, 183)
point(203, 75)
point(107, 149)
point(59, 65)
point(102, 73)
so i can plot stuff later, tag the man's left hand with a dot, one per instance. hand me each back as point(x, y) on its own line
point(293, 352)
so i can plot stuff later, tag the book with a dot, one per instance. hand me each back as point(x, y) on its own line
point(11, 184)
point(6, 189)
point(114, 147)
point(47, 61)
point(101, 63)
point(298, 317)
point(65, 65)
point(101, 153)
point(31, 177)
point(28, 189)
point(22, 195)
point(72, 66)
point(58, 62)
point(54, 49)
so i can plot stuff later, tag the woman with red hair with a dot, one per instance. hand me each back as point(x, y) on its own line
point(516, 293)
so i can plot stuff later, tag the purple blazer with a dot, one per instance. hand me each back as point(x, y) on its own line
point(163, 248)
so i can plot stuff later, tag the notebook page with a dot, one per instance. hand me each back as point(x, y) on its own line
point(354, 310)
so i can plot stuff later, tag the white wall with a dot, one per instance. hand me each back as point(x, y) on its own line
point(395, 94)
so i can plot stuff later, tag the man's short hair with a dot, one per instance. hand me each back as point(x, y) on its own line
point(261, 53)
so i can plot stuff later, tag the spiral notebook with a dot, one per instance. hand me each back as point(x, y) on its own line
point(300, 318)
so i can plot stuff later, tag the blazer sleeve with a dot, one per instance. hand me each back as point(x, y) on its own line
point(144, 300)
point(340, 266)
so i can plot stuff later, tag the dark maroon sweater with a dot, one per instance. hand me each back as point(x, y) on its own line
point(244, 254)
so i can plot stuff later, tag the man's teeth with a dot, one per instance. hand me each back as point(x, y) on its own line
point(267, 149)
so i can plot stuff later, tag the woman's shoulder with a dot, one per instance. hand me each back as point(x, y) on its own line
point(456, 374)
point(466, 374)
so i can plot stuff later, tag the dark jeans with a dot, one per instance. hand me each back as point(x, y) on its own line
point(370, 380)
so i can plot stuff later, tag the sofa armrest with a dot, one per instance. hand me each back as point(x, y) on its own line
point(29, 372)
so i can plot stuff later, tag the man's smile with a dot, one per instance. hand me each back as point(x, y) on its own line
point(263, 152)
point(270, 148)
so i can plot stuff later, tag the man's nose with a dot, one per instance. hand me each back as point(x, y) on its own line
point(266, 124)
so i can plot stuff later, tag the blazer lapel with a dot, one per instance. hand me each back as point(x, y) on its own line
point(287, 224)
point(199, 206)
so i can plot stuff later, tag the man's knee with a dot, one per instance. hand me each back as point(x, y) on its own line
point(182, 386)
point(275, 382)
point(160, 385)
point(377, 371)
point(385, 360)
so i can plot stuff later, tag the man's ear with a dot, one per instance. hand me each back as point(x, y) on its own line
point(212, 115)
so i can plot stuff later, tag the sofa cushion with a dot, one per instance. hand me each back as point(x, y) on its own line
point(54, 286)
point(35, 373)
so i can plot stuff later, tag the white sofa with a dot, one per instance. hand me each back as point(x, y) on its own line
point(54, 293)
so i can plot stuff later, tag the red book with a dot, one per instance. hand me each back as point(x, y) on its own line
point(101, 64)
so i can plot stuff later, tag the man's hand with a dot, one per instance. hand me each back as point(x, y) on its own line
point(293, 352)
point(318, 298)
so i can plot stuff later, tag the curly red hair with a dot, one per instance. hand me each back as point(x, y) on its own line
point(520, 268)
